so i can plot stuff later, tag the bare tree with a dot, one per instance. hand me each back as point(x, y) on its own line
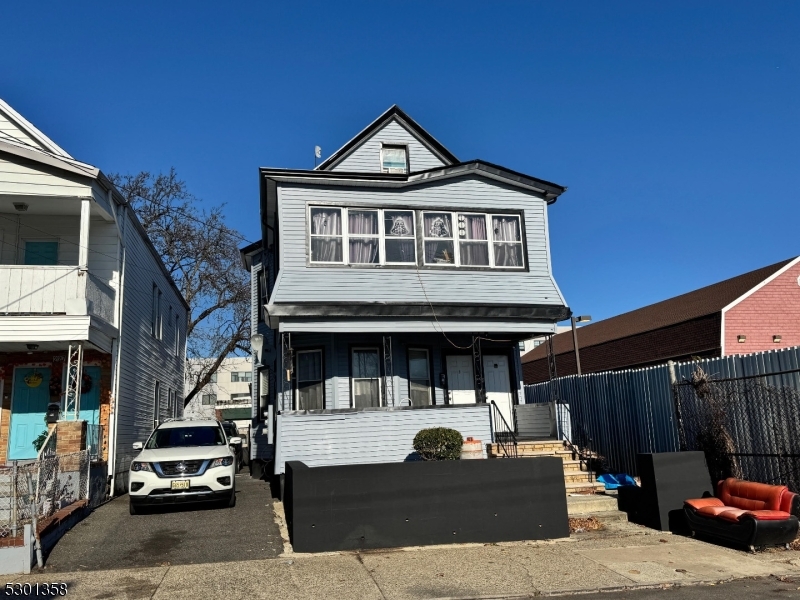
point(202, 254)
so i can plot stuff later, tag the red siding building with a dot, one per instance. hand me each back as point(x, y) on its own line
point(753, 312)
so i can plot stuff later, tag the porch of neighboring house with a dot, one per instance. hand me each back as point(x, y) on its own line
point(33, 382)
point(355, 398)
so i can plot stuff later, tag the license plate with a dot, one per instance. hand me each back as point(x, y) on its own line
point(182, 484)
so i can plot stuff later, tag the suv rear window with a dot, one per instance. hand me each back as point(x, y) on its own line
point(181, 437)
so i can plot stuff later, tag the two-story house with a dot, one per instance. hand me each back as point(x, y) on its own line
point(91, 322)
point(393, 286)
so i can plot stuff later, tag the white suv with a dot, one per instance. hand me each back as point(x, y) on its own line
point(184, 461)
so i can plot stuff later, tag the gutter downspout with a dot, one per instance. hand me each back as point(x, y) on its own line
point(112, 419)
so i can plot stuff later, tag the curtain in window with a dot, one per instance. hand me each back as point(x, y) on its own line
point(309, 381)
point(400, 245)
point(437, 225)
point(325, 249)
point(363, 222)
point(506, 229)
point(366, 378)
point(474, 253)
point(472, 227)
point(326, 221)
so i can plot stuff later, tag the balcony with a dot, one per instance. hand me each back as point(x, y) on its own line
point(54, 290)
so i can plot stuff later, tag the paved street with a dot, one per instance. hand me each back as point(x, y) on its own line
point(762, 588)
point(110, 538)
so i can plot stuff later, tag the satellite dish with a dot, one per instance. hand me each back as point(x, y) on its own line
point(317, 152)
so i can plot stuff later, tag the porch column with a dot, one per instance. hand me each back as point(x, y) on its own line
point(83, 247)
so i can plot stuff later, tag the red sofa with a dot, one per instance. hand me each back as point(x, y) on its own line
point(744, 512)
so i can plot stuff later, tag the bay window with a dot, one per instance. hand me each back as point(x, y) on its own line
point(372, 236)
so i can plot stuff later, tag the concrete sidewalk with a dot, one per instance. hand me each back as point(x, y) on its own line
point(623, 557)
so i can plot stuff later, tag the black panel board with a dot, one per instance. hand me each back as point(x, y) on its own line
point(669, 478)
point(420, 503)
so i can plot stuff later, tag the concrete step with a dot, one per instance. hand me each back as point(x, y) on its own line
point(583, 486)
point(576, 476)
point(588, 504)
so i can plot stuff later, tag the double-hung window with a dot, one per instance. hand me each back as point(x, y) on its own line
point(363, 237)
point(326, 234)
point(310, 385)
point(398, 237)
point(366, 377)
point(473, 242)
point(507, 238)
point(437, 232)
point(419, 380)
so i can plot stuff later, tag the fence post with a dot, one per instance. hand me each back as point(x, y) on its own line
point(14, 499)
point(673, 384)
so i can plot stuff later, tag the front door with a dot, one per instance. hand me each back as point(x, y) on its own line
point(460, 380)
point(498, 385)
point(30, 397)
point(90, 400)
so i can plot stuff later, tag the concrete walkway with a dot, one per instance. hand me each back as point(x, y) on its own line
point(623, 557)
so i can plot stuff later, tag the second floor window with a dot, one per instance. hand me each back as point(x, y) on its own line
point(156, 319)
point(241, 377)
point(363, 237)
point(209, 399)
point(394, 159)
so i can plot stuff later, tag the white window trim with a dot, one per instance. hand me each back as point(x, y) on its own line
point(379, 378)
point(489, 218)
point(419, 235)
point(427, 367)
point(343, 235)
point(394, 146)
point(379, 236)
point(382, 231)
point(296, 390)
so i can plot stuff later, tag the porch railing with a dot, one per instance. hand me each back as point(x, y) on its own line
point(28, 289)
point(503, 434)
point(101, 298)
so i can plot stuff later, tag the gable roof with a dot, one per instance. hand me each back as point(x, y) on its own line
point(692, 305)
point(21, 123)
point(395, 113)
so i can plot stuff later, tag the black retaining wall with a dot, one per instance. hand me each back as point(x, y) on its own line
point(420, 503)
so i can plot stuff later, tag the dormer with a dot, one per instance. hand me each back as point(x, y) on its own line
point(394, 144)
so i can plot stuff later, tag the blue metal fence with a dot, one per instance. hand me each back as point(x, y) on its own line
point(619, 414)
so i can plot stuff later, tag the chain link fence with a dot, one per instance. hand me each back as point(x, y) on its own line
point(748, 427)
point(35, 490)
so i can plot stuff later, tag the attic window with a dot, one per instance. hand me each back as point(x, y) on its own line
point(394, 159)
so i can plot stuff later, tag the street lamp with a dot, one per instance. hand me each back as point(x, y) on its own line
point(257, 344)
point(581, 319)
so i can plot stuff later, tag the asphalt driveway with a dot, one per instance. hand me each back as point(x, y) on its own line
point(110, 538)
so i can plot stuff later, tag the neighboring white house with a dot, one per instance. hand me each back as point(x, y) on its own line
point(229, 391)
point(82, 292)
point(533, 342)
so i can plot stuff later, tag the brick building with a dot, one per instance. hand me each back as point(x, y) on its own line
point(753, 312)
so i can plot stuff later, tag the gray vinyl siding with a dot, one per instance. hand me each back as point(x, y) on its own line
point(24, 180)
point(373, 436)
point(366, 158)
point(300, 282)
point(8, 129)
point(144, 359)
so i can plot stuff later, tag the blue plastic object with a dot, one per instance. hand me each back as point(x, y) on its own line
point(612, 482)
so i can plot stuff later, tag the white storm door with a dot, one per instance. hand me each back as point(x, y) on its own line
point(498, 385)
point(460, 381)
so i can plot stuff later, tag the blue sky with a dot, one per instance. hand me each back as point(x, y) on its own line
point(676, 126)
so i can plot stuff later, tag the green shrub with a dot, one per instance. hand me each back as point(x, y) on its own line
point(438, 443)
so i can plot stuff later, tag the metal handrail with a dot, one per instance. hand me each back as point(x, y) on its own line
point(583, 457)
point(506, 439)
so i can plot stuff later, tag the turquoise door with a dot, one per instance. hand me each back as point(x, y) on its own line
point(90, 401)
point(30, 396)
